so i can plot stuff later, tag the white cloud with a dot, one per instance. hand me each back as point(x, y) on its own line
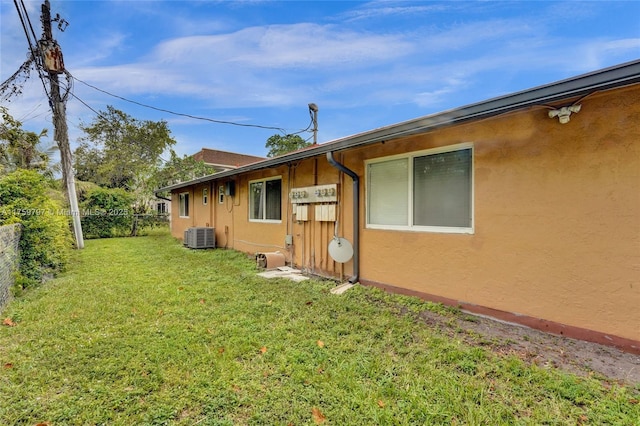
point(349, 63)
point(386, 9)
point(253, 66)
point(285, 64)
point(595, 54)
point(103, 47)
point(283, 46)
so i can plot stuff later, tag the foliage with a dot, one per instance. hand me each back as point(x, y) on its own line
point(279, 145)
point(83, 189)
point(106, 213)
point(120, 151)
point(20, 149)
point(144, 331)
point(46, 239)
point(180, 169)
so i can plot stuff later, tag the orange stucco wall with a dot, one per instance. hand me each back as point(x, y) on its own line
point(556, 218)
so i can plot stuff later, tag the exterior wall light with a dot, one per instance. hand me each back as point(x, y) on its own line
point(564, 113)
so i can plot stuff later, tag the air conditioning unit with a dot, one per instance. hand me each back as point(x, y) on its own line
point(200, 237)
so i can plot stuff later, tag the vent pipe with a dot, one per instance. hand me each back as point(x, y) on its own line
point(356, 214)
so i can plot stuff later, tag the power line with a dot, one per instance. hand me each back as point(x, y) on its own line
point(280, 129)
point(33, 33)
point(304, 130)
point(86, 104)
point(33, 44)
point(30, 115)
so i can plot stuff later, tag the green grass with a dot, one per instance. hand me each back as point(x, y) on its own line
point(141, 331)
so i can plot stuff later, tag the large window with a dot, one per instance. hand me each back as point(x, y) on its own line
point(422, 191)
point(184, 204)
point(265, 199)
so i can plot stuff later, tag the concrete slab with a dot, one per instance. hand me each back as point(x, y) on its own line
point(341, 288)
point(284, 272)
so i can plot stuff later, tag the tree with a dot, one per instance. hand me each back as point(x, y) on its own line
point(279, 145)
point(179, 169)
point(118, 148)
point(120, 151)
point(21, 149)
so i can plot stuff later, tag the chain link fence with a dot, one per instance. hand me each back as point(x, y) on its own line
point(9, 259)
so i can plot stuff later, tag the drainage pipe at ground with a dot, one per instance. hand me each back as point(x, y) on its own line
point(356, 214)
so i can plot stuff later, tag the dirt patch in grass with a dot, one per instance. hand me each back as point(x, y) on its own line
point(543, 349)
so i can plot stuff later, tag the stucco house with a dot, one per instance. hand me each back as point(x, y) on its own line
point(524, 207)
point(219, 160)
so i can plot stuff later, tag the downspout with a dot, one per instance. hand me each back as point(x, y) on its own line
point(356, 214)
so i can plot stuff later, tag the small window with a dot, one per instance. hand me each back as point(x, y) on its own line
point(184, 204)
point(221, 194)
point(205, 196)
point(422, 191)
point(265, 200)
point(162, 207)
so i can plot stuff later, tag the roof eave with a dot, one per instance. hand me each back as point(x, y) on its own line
point(608, 78)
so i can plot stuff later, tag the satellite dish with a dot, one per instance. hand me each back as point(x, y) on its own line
point(340, 249)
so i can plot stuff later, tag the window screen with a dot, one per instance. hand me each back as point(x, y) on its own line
point(273, 199)
point(442, 189)
point(184, 204)
point(255, 200)
point(423, 191)
point(388, 192)
point(265, 200)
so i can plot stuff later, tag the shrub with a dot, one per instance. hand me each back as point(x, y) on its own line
point(46, 236)
point(106, 213)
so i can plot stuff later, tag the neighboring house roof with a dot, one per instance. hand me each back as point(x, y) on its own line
point(224, 159)
point(575, 87)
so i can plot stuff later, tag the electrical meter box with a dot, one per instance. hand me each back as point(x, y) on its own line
point(315, 194)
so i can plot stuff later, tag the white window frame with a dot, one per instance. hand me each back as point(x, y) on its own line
point(182, 206)
point(264, 200)
point(205, 196)
point(410, 184)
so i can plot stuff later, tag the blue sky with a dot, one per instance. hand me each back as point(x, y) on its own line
point(365, 64)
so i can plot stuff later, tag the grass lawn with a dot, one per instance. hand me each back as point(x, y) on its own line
point(141, 331)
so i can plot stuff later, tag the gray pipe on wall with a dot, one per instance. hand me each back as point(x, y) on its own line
point(356, 214)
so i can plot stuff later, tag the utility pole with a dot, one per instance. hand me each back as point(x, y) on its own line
point(313, 108)
point(54, 65)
